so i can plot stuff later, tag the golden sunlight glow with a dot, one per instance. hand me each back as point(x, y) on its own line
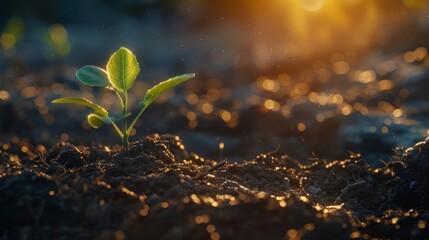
point(312, 5)
point(415, 4)
point(320, 24)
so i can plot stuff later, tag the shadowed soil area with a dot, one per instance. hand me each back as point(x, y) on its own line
point(158, 190)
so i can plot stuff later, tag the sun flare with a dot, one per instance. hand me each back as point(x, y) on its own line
point(312, 5)
point(325, 24)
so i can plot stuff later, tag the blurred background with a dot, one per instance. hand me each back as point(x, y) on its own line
point(308, 78)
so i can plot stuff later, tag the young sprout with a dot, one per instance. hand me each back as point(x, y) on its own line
point(119, 76)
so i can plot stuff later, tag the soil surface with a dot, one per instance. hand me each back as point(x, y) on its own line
point(158, 190)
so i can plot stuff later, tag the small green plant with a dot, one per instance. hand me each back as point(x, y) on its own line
point(119, 76)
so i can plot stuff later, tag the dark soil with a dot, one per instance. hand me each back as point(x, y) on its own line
point(158, 190)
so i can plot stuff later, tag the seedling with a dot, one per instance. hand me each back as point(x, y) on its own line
point(119, 76)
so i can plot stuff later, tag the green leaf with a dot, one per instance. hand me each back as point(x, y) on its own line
point(162, 87)
point(110, 88)
point(117, 118)
point(122, 69)
point(85, 102)
point(95, 120)
point(93, 76)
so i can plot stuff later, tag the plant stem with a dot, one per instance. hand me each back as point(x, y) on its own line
point(135, 120)
point(121, 135)
point(120, 98)
point(125, 121)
